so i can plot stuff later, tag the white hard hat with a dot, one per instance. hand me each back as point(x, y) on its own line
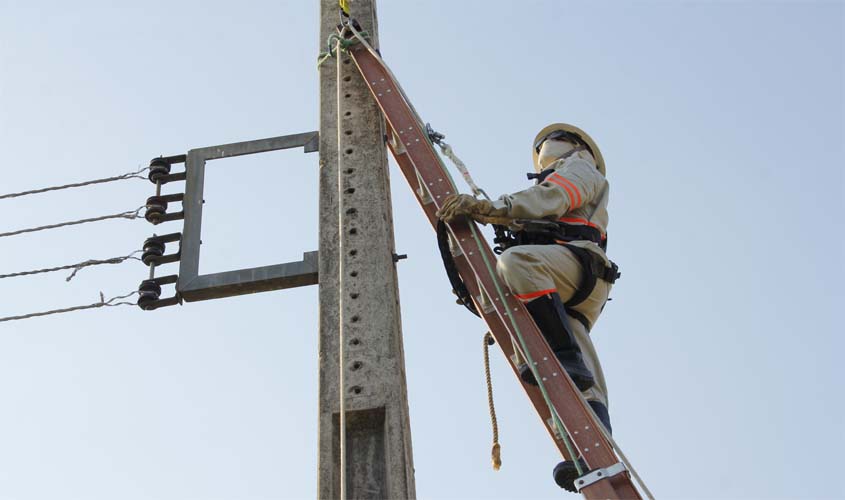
point(568, 129)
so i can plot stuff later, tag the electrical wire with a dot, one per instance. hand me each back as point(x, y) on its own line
point(128, 175)
point(130, 214)
point(76, 267)
point(102, 303)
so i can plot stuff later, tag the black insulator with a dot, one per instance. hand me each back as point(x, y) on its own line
point(158, 169)
point(148, 292)
point(156, 209)
point(153, 249)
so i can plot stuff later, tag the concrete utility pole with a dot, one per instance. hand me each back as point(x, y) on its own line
point(364, 430)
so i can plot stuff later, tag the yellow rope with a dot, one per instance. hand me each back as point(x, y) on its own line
point(497, 449)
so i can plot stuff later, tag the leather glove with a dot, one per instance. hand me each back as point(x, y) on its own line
point(465, 205)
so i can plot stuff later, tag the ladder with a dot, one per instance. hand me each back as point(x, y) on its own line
point(507, 318)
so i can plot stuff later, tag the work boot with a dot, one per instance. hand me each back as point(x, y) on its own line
point(549, 314)
point(565, 472)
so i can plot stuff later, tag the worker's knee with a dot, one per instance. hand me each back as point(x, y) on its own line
point(514, 262)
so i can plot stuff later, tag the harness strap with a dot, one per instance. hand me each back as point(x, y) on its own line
point(579, 317)
point(592, 269)
point(458, 286)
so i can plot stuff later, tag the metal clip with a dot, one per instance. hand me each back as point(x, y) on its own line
point(599, 474)
point(433, 135)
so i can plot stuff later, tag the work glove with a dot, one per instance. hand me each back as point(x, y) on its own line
point(482, 211)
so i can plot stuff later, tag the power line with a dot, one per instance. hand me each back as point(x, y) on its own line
point(102, 303)
point(76, 267)
point(128, 175)
point(130, 214)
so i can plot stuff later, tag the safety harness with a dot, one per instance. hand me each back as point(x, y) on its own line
point(542, 232)
point(532, 232)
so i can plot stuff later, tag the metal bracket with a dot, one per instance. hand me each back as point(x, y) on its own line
point(422, 191)
point(153, 302)
point(599, 474)
point(191, 285)
point(483, 300)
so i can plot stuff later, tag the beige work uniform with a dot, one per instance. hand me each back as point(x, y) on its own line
point(576, 193)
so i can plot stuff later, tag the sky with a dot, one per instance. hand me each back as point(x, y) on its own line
point(722, 125)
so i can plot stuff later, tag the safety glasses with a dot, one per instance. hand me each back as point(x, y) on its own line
point(557, 135)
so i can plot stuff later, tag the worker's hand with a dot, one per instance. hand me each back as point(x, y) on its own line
point(463, 204)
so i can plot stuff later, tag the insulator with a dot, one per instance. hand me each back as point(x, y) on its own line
point(149, 291)
point(153, 249)
point(156, 209)
point(158, 169)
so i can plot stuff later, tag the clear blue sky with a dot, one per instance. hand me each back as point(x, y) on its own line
point(722, 126)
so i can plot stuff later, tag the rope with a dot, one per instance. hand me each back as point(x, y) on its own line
point(131, 214)
point(334, 40)
point(128, 175)
point(446, 149)
point(76, 267)
point(496, 453)
point(102, 303)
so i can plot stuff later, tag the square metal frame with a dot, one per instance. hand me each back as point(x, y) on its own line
point(191, 285)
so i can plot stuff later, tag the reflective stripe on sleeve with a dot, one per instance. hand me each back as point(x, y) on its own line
point(558, 179)
point(566, 188)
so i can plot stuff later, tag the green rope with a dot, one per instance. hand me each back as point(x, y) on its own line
point(331, 47)
point(561, 429)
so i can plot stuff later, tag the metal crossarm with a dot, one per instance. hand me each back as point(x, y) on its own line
point(557, 399)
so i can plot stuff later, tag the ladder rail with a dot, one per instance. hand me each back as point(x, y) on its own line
point(431, 184)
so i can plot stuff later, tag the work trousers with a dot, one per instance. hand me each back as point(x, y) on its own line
point(531, 271)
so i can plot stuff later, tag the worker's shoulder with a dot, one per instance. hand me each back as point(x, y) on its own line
point(579, 167)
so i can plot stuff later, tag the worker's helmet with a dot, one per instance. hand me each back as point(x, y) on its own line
point(564, 131)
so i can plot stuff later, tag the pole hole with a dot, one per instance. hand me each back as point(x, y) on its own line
point(352, 211)
point(354, 295)
point(347, 78)
point(353, 231)
point(347, 96)
point(356, 318)
point(356, 366)
point(353, 252)
point(353, 274)
point(355, 342)
point(350, 170)
point(350, 191)
point(356, 390)
point(348, 113)
point(346, 61)
point(347, 132)
point(349, 151)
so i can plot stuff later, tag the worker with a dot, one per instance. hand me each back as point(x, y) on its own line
point(562, 275)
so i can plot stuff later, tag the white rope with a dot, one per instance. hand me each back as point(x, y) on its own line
point(446, 149)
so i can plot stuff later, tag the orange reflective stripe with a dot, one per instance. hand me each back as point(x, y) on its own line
point(577, 220)
point(534, 295)
point(565, 188)
point(572, 185)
